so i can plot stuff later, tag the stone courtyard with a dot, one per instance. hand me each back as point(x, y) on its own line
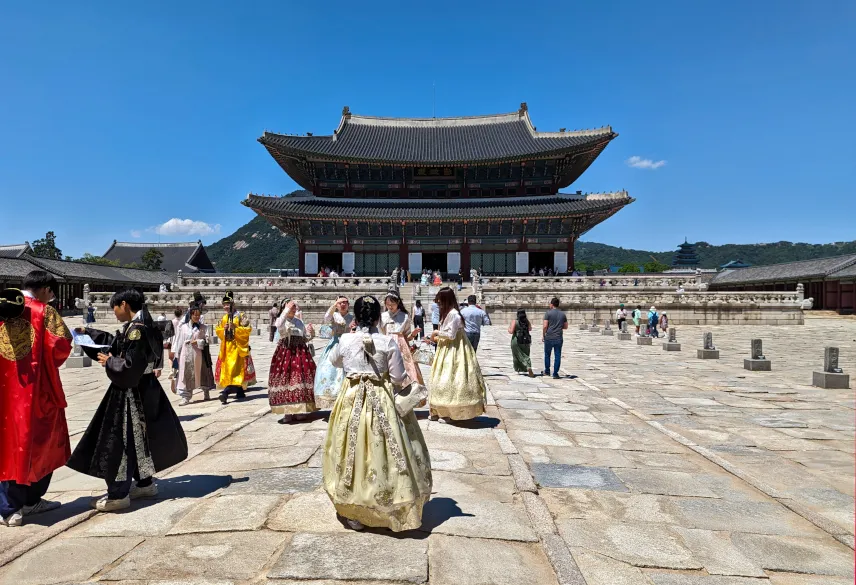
point(640, 466)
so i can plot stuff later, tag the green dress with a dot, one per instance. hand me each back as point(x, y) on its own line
point(520, 355)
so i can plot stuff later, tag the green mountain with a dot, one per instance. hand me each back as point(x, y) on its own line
point(259, 246)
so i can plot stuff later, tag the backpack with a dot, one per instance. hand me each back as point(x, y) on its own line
point(522, 333)
point(655, 318)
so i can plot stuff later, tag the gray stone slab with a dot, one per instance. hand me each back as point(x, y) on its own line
point(582, 427)
point(686, 579)
point(355, 556)
point(543, 438)
point(830, 380)
point(570, 416)
point(776, 422)
point(312, 512)
point(644, 341)
point(477, 519)
point(276, 481)
point(819, 556)
point(152, 518)
point(718, 554)
point(642, 545)
point(625, 336)
point(576, 476)
point(65, 560)
point(671, 346)
point(754, 365)
point(610, 506)
point(739, 516)
point(472, 486)
point(794, 579)
point(600, 570)
point(664, 482)
point(225, 461)
point(707, 354)
point(523, 405)
point(455, 561)
point(227, 514)
point(238, 556)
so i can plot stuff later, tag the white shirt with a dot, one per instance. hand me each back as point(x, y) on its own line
point(350, 355)
point(293, 327)
point(451, 325)
point(397, 323)
point(338, 323)
point(621, 314)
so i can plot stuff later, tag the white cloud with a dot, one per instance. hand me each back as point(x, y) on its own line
point(186, 227)
point(637, 162)
point(136, 233)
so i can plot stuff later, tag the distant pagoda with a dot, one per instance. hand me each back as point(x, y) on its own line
point(686, 256)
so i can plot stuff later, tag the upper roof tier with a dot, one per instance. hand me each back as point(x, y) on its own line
point(437, 141)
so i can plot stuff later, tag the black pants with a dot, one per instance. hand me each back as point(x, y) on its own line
point(474, 340)
point(272, 332)
point(239, 390)
point(119, 489)
point(14, 496)
point(419, 321)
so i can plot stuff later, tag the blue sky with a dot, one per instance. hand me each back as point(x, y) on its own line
point(116, 118)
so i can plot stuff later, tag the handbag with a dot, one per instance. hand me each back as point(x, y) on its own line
point(425, 354)
point(411, 397)
point(325, 332)
point(249, 371)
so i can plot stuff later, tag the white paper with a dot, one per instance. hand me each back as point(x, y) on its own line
point(83, 340)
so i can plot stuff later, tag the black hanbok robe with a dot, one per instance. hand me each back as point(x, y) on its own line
point(135, 398)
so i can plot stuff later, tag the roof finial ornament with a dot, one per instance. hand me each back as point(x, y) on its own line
point(523, 108)
point(346, 112)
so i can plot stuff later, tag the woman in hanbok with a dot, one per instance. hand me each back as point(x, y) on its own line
point(521, 343)
point(234, 331)
point(376, 467)
point(328, 378)
point(292, 370)
point(396, 322)
point(457, 388)
point(193, 371)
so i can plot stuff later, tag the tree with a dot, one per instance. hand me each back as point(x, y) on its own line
point(656, 267)
point(92, 259)
point(46, 247)
point(628, 269)
point(152, 259)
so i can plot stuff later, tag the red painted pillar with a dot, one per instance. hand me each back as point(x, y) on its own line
point(301, 258)
point(571, 266)
point(403, 250)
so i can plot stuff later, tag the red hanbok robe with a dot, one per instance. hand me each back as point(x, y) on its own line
point(33, 431)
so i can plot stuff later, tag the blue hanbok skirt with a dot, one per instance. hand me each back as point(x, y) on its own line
point(328, 378)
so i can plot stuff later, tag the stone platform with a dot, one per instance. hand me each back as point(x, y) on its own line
point(637, 467)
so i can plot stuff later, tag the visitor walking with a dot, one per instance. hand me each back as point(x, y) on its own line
point(187, 348)
point(637, 317)
point(435, 315)
point(419, 319)
point(521, 343)
point(328, 378)
point(460, 280)
point(457, 389)
point(375, 466)
point(273, 314)
point(292, 370)
point(555, 322)
point(233, 330)
point(135, 432)
point(620, 316)
point(653, 319)
point(34, 343)
point(474, 317)
point(90, 313)
point(395, 322)
point(664, 323)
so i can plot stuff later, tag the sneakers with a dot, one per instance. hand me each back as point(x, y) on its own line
point(286, 419)
point(207, 395)
point(184, 402)
point(12, 520)
point(40, 507)
point(530, 373)
point(557, 377)
point(223, 398)
point(545, 373)
point(354, 524)
point(443, 420)
point(138, 493)
point(434, 417)
point(104, 504)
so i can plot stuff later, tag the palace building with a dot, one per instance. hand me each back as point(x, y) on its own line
point(439, 193)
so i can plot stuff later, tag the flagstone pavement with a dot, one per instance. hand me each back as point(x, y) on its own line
point(639, 466)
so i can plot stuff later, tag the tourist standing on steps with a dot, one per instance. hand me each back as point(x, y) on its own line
point(521, 343)
point(328, 378)
point(376, 468)
point(552, 334)
point(435, 315)
point(653, 319)
point(233, 330)
point(135, 432)
point(34, 343)
point(188, 348)
point(292, 370)
point(273, 313)
point(395, 322)
point(419, 319)
point(620, 315)
point(457, 389)
point(474, 318)
point(637, 317)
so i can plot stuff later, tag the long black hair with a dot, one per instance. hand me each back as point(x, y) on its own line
point(397, 300)
point(448, 302)
point(366, 311)
point(522, 319)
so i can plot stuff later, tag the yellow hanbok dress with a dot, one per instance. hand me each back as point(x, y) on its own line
point(233, 353)
point(376, 467)
point(457, 389)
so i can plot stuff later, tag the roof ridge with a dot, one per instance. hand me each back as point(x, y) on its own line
point(156, 244)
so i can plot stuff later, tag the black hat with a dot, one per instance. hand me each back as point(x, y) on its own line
point(229, 297)
point(11, 303)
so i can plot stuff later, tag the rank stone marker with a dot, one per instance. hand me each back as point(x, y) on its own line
point(623, 335)
point(758, 362)
point(594, 328)
point(78, 359)
point(607, 328)
point(644, 337)
point(832, 376)
point(672, 344)
point(709, 351)
point(583, 325)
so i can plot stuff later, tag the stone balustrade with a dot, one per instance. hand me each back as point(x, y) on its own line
point(237, 282)
point(647, 282)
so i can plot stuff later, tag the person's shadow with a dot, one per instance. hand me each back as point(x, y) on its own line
point(434, 513)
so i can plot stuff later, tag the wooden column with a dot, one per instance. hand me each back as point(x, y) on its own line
point(403, 250)
point(571, 266)
point(301, 258)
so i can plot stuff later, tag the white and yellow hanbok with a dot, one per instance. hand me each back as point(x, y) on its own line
point(457, 389)
point(376, 465)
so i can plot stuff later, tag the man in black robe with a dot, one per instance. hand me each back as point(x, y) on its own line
point(135, 432)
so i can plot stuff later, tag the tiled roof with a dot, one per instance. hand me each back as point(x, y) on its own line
point(817, 268)
point(184, 256)
point(848, 272)
point(15, 268)
point(97, 272)
point(437, 140)
point(14, 250)
point(307, 206)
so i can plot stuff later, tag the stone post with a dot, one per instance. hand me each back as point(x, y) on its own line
point(800, 292)
point(708, 351)
point(672, 344)
point(623, 335)
point(583, 326)
point(832, 376)
point(607, 328)
point(757, 362)
point(594, 328)
point(644, 337)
